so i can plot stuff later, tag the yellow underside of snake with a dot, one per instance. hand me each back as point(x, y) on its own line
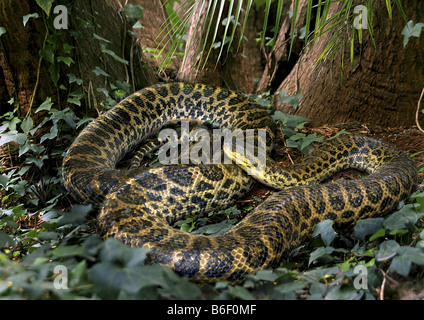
point(138, 206)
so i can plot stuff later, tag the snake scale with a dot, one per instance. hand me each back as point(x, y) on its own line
point(138, 206)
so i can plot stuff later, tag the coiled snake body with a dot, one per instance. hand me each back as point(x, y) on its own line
point(138, 205)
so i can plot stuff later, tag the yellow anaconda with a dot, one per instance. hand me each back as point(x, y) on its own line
point(138, 205)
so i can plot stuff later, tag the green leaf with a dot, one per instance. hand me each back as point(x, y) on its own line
point(402, 219)
point(121, 272)
point(67, 48)
point(388, 249)
point(293, 100)
point(133, 11)
point(27, 124)
point(266, 275)
point(38, 161)
point(112, 54)
point(325, 229)
point(411, 30)
point(401, 265)
point(290, 286)
point(29, 16)
point(406, 256)
point(342, 292)
point(74, 100)
point(46, 5)
point(5, 239)
point(47, 53)
point(137, 25)
point(13, 135)
point(416, 255)
point(98, 71)
point(379, 234)
point(46, 105)
point(2, 31)
point(77, 215)
point(319, 253)
point(66, 60)
point(54, 70)
point(51, 135)
point(217, 228)
point(367, 227)
point(96, 36)
point(67, 251)
point(78, 273)
point(4, 180)
point(73, 78)
point(239, 292)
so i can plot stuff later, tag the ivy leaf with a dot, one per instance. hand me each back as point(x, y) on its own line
point(67, 48)
point(134, 11)
point(406, 256)
point(25, 18)
point(54, 72)
point(112, 54)
point(77, 215)
point(137, 25)
point(416, 255)
point(401, 265)
point(5, 240)
point(388, 249)
point(51, 135)
point(98, 71)
point(74, 100)
point(120, 271)
point(367, 227)
point(96, 36)
point(73, 78)
point(4, 180)
point(320, 253)
point(27, 124)
point(401, 219)
point(411, 30)
point(66, 60)
point(325, 229)
point(46, 5)
point(68, 251)
point(2, 31)
point(47, 53)
point(292, 100)
point(46, 105)
point(13, 135)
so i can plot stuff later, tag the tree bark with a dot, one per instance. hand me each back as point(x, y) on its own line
point(237, 70)
point(155, 32)
point(382, 88)
point(25, 76)
point(22, 72)
point(109, 22)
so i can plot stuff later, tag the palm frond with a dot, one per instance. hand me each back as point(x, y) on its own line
point(318, 19)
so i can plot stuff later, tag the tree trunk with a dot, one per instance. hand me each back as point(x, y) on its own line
point(22, 72)
point(107, 21)
point(154, 33)
point(382, 88)
point(237, 70)
point(93, 24)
